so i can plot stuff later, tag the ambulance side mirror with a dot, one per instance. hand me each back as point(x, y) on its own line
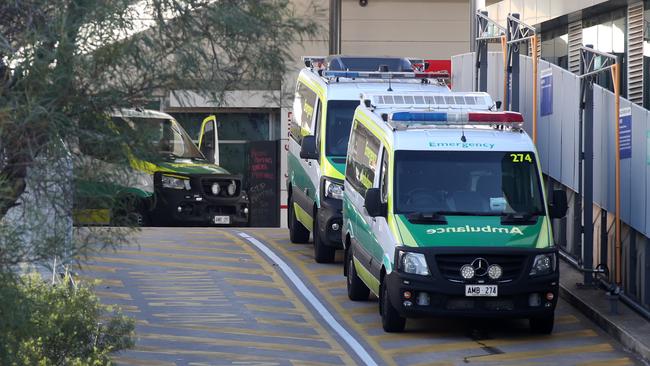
point(559, 206)
point(209, 139)
point(308, 149)
point(373, 203)
point(498, 103)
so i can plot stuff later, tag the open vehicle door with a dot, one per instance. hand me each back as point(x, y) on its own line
point(209, 139)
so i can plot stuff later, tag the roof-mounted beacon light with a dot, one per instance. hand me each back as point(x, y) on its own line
point(509, 119)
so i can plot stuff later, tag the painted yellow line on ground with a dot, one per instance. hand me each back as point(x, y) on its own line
point(288, 323)
point(100, 282)
point(239, 343)
point(238, 331)
point(242, 282)
point(207, 267)
point(309, 363)
point(274, 309)
point(180, 303)
point(455, 346)
point(211, 354)
point(623, 361)
point(210, 249)
point(140, 362)
point(566, 319)
point(436, 363)
point(329, 272)
point(515, 356)
point(188, 256)
point(112, 295)
point(97, 268)
point(257, 295)
point(211, 299)
point(129, 308)
point(362, 310)
point(206, 292)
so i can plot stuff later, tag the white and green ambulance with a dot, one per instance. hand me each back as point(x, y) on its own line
point(327, 93)
point(444, 211)
point(171, 182)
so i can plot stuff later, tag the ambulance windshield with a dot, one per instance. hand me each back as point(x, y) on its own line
point(339, 121)
point(467, 183)
point(165, 136)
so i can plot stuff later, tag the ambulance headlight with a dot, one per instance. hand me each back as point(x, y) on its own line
point(175, 182)
point(543, 264)
point(232, 188)
point(333, 190)
point(414, 263)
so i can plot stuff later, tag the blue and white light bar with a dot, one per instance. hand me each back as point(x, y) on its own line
point(512, 119)
point(385, 75)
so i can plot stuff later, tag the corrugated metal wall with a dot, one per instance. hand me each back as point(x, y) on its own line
point(558, 135)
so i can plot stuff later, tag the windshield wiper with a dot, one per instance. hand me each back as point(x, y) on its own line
point(432, 217)
point(521, 218)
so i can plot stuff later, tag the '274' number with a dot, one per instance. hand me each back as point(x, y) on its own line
point(520, 158)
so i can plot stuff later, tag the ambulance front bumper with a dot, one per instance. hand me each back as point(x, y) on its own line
point(442, 293)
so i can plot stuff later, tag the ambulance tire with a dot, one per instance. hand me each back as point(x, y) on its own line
point(391, 321)
point(357, 290)
point(297, 232)
point(542, 324)
point(130, 211)
point(322, 253)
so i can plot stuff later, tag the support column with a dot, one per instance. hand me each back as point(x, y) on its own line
point(588, 169)
point(514, 71)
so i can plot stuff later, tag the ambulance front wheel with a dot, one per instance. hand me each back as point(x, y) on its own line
point(357, 290)
point(322, 252)
point(391, 321)
point(297, 232)
point(130, 211)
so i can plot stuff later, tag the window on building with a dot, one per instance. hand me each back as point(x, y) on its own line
point(235, 131)
point(555, 46)
point(607, 33)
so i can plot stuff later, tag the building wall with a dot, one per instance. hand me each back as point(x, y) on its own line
point(434, 29)
point(537, 11)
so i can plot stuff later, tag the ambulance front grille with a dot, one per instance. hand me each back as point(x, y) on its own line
point(449, 265)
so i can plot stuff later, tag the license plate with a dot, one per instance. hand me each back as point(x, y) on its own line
point(481, 290)
point(222, 219)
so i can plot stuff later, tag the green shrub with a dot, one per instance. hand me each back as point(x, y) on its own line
point(44, 325)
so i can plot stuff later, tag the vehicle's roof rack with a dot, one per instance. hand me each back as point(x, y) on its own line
point(338, 67)
point(433, 110)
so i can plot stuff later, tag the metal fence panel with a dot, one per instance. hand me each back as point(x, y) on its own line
point(495, 75)
point(569, 89)
point(543, 129)
point(638, 169)
point(626, 172)
point(462, 72)
point(555, 132)
point(599, 153)
point(610, 158)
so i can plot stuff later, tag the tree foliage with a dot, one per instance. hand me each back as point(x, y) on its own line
point(58, 325)
point(64, 63)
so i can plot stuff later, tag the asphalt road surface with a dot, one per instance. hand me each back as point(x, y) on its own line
point(206, 296)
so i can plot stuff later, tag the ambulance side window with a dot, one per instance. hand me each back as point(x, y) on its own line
point(304, 108)
point(362, 158)
point(317, 122)
point(383, 181)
